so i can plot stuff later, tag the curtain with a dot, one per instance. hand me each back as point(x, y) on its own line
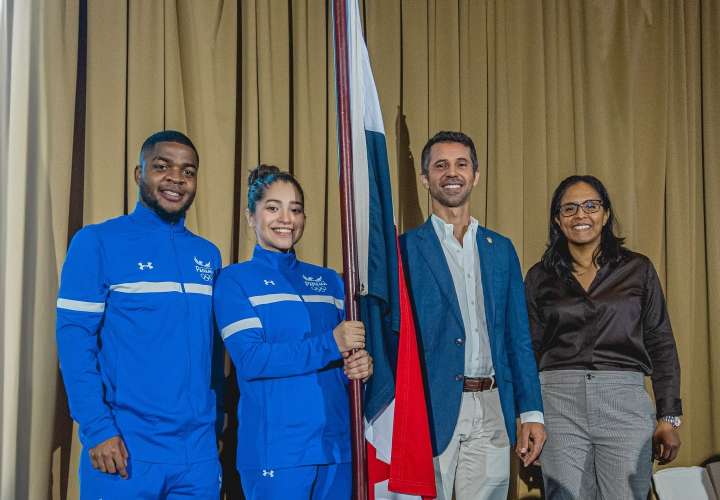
point(625, 90)
point(38, 59)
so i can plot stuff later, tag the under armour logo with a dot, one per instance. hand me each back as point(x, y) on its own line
point(268, 473)
point(269, 282)
point(142, 266)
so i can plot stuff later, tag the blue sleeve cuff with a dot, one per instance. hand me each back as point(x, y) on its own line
point(330, 344)
point(94, 438)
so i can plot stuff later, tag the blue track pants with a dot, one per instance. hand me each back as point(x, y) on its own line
point(312, 482)
point(150, 481)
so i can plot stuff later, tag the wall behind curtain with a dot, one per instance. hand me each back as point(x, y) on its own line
point(624, 90)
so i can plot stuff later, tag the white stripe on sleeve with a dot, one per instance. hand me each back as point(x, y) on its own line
point(238, 326)
point(81, 305)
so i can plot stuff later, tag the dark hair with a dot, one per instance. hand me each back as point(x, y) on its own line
point(557, 256)
point(166, 136)
point(261, 177)
point(447, 136)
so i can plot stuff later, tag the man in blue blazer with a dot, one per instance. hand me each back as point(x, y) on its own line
point(469, 303)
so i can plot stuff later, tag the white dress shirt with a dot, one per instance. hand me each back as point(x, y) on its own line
point(464, 264)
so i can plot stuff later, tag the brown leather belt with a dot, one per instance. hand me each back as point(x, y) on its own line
point(474, 384)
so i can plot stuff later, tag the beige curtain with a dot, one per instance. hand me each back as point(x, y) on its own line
point(626, 90)
point(38, 85)
point(709, 340)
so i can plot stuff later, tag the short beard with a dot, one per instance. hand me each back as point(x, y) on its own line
point(450, 203)
point(152, 203)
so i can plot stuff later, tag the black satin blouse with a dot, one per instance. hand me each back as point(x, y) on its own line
point(620, 323)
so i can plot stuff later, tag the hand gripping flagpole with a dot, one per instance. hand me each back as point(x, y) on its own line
point(350, 275)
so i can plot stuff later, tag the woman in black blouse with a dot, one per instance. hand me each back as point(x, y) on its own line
point(599, 324)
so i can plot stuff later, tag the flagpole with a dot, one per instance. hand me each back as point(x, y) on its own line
point(350, 276)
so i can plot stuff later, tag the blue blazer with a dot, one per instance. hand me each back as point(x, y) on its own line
point(442, 334)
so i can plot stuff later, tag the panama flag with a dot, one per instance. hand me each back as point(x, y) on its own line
point(398, 438)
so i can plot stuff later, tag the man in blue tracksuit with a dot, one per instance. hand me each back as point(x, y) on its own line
point(135, 339)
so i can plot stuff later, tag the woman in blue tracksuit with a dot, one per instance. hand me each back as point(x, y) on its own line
point(282, 323)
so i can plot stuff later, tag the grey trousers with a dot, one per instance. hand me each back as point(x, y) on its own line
point(476, 463)
point(599, 428)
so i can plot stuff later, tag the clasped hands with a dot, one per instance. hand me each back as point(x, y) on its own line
point(350, 335)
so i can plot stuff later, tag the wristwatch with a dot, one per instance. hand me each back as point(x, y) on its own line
point(672, 420)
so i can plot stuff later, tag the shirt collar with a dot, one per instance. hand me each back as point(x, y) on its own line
point(444, 230)
point(149, 217)
point(277, 260)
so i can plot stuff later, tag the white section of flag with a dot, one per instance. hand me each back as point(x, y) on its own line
point(382, 493)
point(379, 434)
point(364, 115)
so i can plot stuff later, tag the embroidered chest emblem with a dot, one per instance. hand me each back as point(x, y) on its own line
point(315, 284)
point(204, 269)
point(145, 265)
point(269, 282)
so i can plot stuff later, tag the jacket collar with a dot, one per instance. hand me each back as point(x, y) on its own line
point(433, 254)
point(276, 260)
point(148, 217)
point(435, 257)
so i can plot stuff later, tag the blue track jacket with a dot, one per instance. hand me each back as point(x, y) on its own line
point(135, 337)
point(276, 315)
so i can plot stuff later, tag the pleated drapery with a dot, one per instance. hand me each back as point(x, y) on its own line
point(626, 90)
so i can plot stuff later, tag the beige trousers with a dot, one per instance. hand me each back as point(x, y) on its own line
point(477, 460)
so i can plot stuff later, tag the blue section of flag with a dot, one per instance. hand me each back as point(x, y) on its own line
point(380, 307)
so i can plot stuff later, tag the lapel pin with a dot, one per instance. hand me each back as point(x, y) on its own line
point(489, 240)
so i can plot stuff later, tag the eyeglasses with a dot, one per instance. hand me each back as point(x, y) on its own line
point(588, 206)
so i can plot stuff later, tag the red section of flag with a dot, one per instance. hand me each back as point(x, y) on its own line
point(377, 471)
point(411, 469)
